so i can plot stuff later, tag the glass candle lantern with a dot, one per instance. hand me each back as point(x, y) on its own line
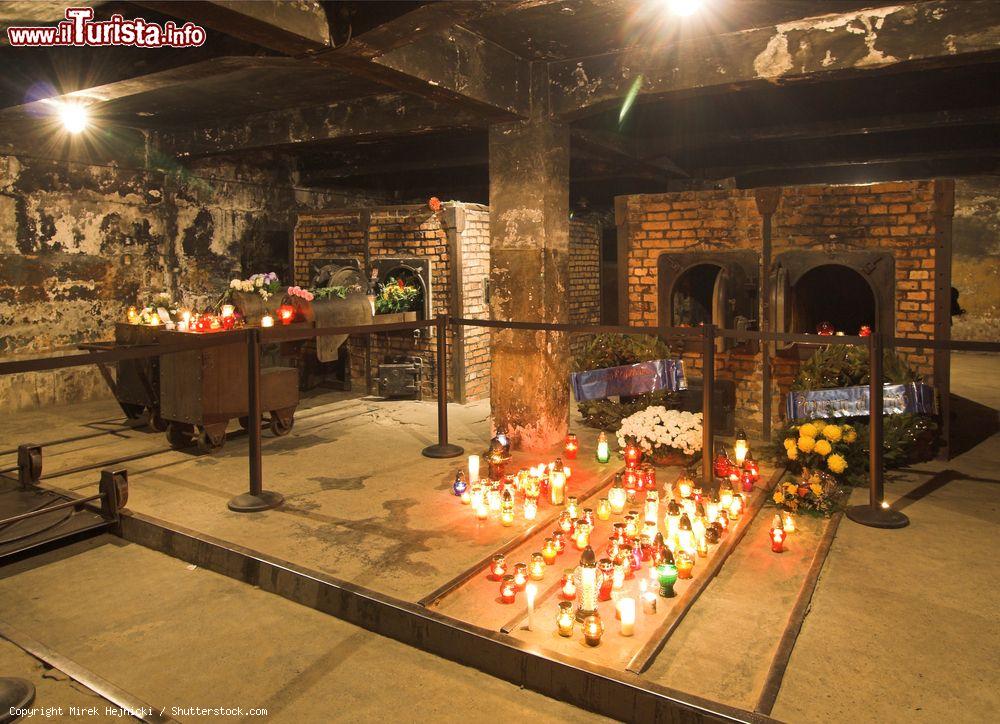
point(588, 515)
point(777, 540)
point(711, 512)
point(750, 466)
point(603, 509)
point(740, 448)
point(559, 539)
point(605, 577)
point(746, 479)
point(496, 459)
point(684, 563)
point(712, 534)
point(649, 477)
point(701, 545)
point(593, 629)
point(787, 522)
point(603, 450)
point(684, 486)
point(557, 486)
point(459, 487)
point(722, 523)
point(648, 601)
point(725, 495)
point(565, 522)
point(571, 447)
point(617, 577)
point(586, 582)
point(493, 498)
point(573, 507)
point(618, 534)
point(651, 508)
point(666, 576)
point(536, 568)
point(617, 496)
point(549, 551)
point(520, 575)
point(568, 590)
point(736, 507)
point(685, 535)
point(482, 512)
point(698, 528)
point(267, 321)
point(673, 518)
point(498, 567)
point(530, 509)
point(632, 455)
point(508, 589)
point(565, 619)
point(507, 508)
point(660, 551)
point(581, 534)
point(631, 479)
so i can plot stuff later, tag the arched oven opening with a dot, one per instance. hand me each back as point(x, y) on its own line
point(832, 297)
point(695, 298)
point(411, 272)
point(814, 292)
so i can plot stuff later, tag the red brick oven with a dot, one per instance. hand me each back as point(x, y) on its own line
point(876, 255)
point(451, 248)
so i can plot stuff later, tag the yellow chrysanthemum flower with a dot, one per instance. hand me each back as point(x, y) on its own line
point(822, 447)
point(792, 453)
point(807, 430)
point(806, 444)
point(789, 443)
point(778, 497)
point(851, 435)
point(816, 489)
point(832, 433)
point(836, 463)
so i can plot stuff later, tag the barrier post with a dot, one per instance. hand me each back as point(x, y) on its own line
point(257, 498)
point(443, 449)
point(707, 402)
point(877, 513)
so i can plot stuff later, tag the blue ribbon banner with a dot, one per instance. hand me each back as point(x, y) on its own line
point(629, 380)
point(913, 397)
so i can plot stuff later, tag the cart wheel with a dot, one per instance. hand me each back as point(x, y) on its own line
point(132, 412)
point(281, 425)
point(156, 423)
point(209, 443)
point(179, 435)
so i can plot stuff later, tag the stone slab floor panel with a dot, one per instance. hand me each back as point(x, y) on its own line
point(176, 635)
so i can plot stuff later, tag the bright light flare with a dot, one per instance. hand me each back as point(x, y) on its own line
point(74, 117)
point(683, 8)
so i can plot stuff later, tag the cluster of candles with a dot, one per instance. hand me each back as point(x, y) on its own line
point(500, 494)
point(692, 521)
point(741, 470)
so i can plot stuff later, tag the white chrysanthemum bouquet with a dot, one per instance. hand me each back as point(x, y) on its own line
point(657, 430)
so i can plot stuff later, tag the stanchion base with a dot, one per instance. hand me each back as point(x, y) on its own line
point(249, 503)
point(442, 451)
point(877, 516)
point(14, 694)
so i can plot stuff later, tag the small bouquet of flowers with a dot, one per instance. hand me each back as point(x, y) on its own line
point(660, 432)
point(301, 293)
point(819, 444)
point(396, 296)
point(813, 490)
point(263, 284)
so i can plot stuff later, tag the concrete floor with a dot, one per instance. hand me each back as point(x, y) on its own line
point(926, 650)
point(176, 635)
point(904, 624)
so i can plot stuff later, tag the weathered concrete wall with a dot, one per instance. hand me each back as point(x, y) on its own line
point(78, 243)
point(976, 261)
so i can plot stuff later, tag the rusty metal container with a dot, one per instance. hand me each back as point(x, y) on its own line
point(201, 391)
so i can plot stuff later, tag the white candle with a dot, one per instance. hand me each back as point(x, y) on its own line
point(529, 592)
point(626, 611)
point(473, 469)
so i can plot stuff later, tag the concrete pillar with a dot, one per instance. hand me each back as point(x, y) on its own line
point(529, 270)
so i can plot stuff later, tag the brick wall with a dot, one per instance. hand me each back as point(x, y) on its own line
point(414, 230)
point(898, 218)
point(584, 277)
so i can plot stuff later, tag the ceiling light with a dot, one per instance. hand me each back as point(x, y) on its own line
point(684, 8)
point(73, 117)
